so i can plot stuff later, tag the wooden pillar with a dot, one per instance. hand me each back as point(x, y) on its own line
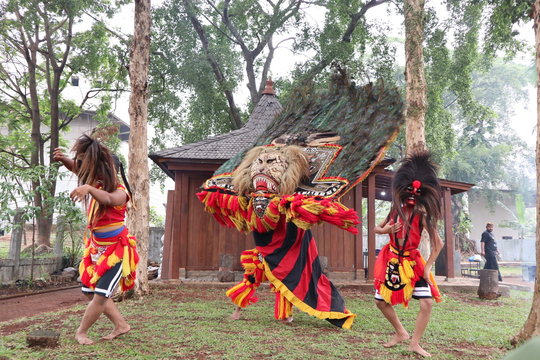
point(358, 238)
point(176, 249)
point(448, 233)
point(166, 261)
point(183, 233)
point(371, 225)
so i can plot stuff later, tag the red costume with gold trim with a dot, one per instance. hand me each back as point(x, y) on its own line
point(416, 195)
point(320, 146)
point(101, 254)
point(288, 250)
point(398, 269)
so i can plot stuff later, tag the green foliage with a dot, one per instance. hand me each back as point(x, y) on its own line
point(32, 101)
point(16, 192)
point(188, 103)
point(524, 219)
point(156, 219)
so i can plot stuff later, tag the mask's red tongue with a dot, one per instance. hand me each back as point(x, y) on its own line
point(260, 185)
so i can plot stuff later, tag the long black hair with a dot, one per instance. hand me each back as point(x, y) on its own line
point(120, 167)
point(95, 165)
point(418, 166)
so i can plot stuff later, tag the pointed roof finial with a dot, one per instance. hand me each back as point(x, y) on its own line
point(268, 88)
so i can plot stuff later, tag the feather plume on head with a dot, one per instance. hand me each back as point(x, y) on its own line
point(416, 184)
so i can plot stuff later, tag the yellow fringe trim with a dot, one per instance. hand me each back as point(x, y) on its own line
point(240, 298)
point(289, 295)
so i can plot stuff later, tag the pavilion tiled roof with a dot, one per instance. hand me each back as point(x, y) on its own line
point(226, 146)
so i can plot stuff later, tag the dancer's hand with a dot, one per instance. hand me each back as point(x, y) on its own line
point(58, 154)
point(391, 228)
point(80, 193)
point(427, 273)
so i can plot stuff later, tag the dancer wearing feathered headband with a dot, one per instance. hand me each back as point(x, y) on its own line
point(400, 270)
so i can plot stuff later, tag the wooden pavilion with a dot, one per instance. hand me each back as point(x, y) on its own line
point(194, 241)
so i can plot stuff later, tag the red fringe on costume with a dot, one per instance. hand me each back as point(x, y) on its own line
point(282, 306)
point(243, 294)
point(411, 269)
point(120, 248)
point(237, 211)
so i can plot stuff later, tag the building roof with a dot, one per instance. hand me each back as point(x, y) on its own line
point(225, 146)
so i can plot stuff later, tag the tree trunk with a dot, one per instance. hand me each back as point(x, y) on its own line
point(415, 109)
point(35, 158)
point(138, 146)
point(532, 324)
point(489, 284)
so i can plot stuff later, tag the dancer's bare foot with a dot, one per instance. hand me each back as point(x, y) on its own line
point(117, 332)
point(396, 339)
point(236, 313)
point(418, 349)
point(83, 339)
point(287, 320)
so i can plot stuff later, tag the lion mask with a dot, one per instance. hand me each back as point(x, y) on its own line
point(271, 169)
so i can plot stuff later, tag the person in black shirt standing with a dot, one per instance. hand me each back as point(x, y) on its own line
point(489, 249)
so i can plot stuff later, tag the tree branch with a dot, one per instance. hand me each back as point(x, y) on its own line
point(266, 66)
point(215, 25)
point(355, 18)
point(235, 114)
point(18, 156)
point(120, 36)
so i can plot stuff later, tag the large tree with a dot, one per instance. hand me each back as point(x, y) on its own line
point(40, 51)
point(138, 138)
point(415, 104)
point(531, 327)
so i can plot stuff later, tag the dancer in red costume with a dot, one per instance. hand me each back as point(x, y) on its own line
point(400, 270)
point(321, 145)
point(110, 257)
point(264, 200)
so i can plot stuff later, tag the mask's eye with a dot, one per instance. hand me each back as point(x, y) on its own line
point(409, 188)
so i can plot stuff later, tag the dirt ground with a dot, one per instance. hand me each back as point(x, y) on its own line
point(19, 307)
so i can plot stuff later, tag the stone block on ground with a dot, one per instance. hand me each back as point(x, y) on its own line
point(225, 273)
point(153, 272)
point(225, 276)
point(70, 272)
point(43, 338)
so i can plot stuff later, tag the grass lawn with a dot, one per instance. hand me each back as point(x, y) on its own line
point(4, 249)
point(511, 270)
point(192, 322)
